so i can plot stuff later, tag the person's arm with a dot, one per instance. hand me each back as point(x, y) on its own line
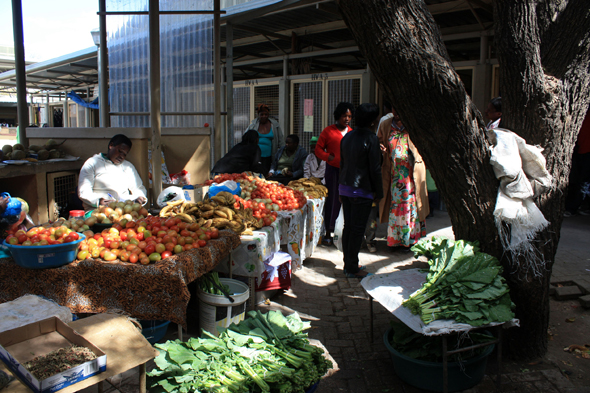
point(137, 189)
point(257, 162)
point(299, 162)
point(86, 184)
point(320, 148)
point(307, 166)
point(375, 167)
point(275, 162)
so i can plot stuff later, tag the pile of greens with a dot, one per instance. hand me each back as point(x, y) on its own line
point(263, 353)
point(463, 284)
point(210, 283)
point(429, 348)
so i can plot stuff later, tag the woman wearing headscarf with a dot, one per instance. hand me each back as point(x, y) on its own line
point(243, 157)
point(328, 150)
point(270, 135)
point(405, 205)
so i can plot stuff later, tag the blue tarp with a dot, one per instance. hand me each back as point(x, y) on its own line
point(78, 100)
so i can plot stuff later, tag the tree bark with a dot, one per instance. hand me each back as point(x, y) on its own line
point(545, 97)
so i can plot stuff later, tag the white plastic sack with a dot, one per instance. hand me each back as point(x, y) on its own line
point(338, 228)
point(170, 194)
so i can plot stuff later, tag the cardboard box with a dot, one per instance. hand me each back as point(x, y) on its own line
point(24, 343)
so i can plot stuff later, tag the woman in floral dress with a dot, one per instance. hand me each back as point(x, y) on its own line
point(405, 204)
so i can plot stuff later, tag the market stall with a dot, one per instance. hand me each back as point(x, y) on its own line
point(156, 291)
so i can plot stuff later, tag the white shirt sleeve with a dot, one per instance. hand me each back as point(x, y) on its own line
point(86, 183)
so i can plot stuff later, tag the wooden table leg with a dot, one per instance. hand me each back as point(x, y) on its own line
point(371, 316)
point(142, 376)
point(100, 387)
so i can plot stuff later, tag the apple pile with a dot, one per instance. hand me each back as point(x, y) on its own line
point(41, 236)
point(147, 240)
point(121, 212)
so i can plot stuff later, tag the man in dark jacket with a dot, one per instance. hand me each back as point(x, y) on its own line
point(360, 183)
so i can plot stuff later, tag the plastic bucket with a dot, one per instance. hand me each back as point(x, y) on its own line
point(461, 375)
point(217, 311)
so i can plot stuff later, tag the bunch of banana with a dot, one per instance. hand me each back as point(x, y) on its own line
point(219, 212)
point(311, 188)
point(181, 209)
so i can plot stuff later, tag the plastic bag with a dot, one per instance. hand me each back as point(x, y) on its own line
point(181, 178)
point(170, 194)
point(338, 228)
point(229, 186)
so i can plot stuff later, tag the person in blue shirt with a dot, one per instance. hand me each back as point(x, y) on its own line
point(270, 134)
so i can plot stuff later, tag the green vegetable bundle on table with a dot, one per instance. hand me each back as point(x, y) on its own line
point(263, 353)
point(463, 284)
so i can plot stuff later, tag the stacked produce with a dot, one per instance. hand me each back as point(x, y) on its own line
point(463, 284)
point(42, 153)
point(224, 210)
point(40, 236)
point(121, 212)
point(145, 241)
point(263, 353)
point(312, 188)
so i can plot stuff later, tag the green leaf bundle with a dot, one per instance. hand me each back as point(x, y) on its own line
point(462, 283)
point(264, 353)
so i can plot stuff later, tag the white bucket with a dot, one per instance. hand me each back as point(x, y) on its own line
point(217, 311)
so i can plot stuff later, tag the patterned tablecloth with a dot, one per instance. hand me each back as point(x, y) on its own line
point(155, 291)
point(299, 230)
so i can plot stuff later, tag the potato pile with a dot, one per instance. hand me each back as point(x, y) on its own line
point(311, 188)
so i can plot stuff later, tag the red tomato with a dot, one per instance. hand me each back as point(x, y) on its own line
point(214, 233)
point(166, 254)
point(133, 258)
point(188, 247)
point(150, 249)
point(22, 239)
point(170, 246)
point(202, 243)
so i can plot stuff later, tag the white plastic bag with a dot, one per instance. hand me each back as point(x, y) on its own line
point(338, 228)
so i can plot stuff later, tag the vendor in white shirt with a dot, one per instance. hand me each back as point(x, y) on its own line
point(314, 166)
point(108, 177)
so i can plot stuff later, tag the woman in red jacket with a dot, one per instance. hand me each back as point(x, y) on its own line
point(328, 149)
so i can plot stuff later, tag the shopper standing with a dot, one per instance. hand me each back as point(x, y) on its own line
point(328, 150)
point(360, 184)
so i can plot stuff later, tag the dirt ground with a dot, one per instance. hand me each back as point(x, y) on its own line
point(569, 325)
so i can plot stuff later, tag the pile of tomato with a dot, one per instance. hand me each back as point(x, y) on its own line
point(40, 236)
point(226, 176)
point(285, 197)
point(148, 240)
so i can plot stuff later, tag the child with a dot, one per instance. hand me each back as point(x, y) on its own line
point(13, 212)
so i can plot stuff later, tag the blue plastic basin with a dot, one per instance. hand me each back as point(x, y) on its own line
point(43, 257)
point(153, 330)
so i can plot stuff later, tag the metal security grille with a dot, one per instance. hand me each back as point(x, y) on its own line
point(241, 114)
point(343, 90)
point(307, 91)
point(61, 185)
point(268, 95)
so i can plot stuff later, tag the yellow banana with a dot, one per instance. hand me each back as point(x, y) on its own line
point(220, 213)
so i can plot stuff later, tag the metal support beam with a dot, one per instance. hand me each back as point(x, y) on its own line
point(21, 76)
point(103, 68)
point(229, 81)
point(87, 111)
point(155, 108)
point(220, 138)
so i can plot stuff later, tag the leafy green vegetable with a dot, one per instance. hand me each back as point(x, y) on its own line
point(210, 283)
point(264, 353)
point(429, 348)
point(462, 283)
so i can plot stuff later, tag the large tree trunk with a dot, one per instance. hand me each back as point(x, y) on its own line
point(543, 52)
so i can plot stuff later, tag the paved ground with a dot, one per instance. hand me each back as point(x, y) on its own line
point(339, 311)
